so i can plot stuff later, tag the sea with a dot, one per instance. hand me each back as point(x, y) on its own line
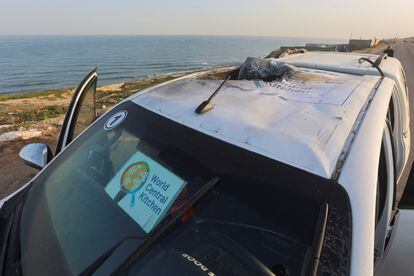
point(36, 63)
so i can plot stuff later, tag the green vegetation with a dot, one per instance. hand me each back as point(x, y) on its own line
point(109, 98)
point(22, 117)
point(139, 85)
point(26, 108)
point(55, 93)
point(42, 114)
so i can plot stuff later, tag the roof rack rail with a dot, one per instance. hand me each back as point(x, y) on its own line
point(376, 64)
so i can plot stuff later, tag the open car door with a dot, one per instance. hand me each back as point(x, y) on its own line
point(81, 112)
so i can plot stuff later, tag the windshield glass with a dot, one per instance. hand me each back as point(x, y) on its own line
point(132, 168)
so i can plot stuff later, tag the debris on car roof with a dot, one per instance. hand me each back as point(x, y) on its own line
point(264, 69)
point(274, 70)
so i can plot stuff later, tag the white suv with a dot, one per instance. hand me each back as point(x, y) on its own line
point(211, 175)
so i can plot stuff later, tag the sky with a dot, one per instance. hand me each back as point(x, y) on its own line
point(291, 18)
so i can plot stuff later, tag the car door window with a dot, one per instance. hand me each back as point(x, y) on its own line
point(391, 115)
point(86, 114)
point(81, 112)
point(385, 195)
point(396, 118)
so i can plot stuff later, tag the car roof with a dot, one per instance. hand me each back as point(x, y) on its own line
point(301, 122)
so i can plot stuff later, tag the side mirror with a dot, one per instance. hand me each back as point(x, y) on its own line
point(36, 155)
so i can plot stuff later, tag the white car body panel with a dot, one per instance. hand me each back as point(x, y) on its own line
point(359, 178)
point(349, 63)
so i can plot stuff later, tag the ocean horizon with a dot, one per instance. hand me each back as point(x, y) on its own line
point(35, 63)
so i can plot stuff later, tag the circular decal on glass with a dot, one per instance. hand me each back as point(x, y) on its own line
point(133, 178)
point(115, 119)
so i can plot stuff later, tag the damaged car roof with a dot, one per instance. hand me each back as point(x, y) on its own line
point(344, 62)
point(303, 121)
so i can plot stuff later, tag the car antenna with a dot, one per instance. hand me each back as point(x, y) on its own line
point(207, 105)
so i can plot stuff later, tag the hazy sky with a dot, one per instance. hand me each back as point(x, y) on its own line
point(301, 18)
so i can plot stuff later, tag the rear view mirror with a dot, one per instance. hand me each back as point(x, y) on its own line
point(36, 155)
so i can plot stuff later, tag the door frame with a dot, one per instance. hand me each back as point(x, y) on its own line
point(382, 227)
point(74, 107)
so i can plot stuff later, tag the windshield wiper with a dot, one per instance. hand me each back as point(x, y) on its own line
point(169, 221)
point(101, 259)
point(318, 238)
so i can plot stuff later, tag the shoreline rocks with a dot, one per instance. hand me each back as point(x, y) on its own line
point(20, 135)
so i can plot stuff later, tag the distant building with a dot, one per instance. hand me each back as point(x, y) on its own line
point(360, 44)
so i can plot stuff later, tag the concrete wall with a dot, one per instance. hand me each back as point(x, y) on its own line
point(359, 44)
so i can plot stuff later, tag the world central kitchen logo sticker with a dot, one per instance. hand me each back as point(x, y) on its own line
point(145, 190)
point(133, 178)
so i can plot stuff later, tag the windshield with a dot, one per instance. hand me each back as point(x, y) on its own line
point(132, 168)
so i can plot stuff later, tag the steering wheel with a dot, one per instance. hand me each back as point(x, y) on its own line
point(101, 167)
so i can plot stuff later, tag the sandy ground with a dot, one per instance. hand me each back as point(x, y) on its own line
point(13, 172)
point(112, 87)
